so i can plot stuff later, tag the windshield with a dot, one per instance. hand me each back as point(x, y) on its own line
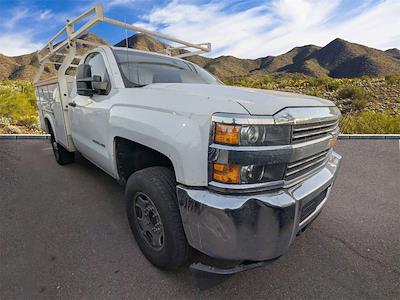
point(140, 69)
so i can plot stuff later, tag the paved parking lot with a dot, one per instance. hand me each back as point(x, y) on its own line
point(64, 234)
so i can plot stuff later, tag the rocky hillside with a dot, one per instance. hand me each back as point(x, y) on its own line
point(394, 52)
point(25, 66)
point(20, 67)
point(296, 60)
point(343, 59)
point(338, 59)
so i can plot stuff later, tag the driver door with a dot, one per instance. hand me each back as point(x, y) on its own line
point(89, 118)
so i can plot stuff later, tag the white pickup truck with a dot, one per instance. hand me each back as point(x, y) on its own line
point(235, 173)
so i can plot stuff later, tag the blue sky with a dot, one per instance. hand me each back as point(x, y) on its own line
point(243, 28)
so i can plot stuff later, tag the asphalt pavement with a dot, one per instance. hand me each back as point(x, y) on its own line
point(64, 235)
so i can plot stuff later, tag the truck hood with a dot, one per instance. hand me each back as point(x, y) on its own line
point(255, 101)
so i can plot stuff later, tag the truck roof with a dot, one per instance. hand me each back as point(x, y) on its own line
point(144, 52)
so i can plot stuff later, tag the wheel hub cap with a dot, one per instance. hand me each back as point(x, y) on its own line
point(149, 221)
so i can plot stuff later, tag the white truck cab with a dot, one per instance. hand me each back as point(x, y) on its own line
point(205, 166)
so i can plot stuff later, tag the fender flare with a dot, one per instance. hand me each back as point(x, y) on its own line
point(47, 117)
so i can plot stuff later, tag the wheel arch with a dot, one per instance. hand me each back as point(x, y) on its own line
point(49, 125)
point(131, 156)
point(180, 138)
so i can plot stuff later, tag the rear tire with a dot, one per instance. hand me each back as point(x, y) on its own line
point(62, 155)
point(154, 217)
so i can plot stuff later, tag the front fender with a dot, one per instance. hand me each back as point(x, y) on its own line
point(182, 138)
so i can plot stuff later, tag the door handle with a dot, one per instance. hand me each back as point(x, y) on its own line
point(72, 104)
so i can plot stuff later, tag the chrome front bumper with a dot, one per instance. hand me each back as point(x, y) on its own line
point(252, 227)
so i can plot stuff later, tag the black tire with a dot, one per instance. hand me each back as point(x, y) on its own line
point(62, 155)
point(159, 185)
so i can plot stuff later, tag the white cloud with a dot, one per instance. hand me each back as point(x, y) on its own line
point(17, 38)
point(377, 26)
point(17, 15)
point(145, 26)
point(17, 44)
point(276, 27)
point(46, 14)
point(112, 3)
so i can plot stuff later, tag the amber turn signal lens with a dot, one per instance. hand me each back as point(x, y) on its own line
point(226, 173)
point(227, 134)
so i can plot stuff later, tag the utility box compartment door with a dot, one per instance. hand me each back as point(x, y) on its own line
point(49, 102)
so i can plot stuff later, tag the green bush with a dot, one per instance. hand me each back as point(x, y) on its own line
point(359, 103)
point(359, 97)
point(332, 85)
point(369, 122)
point(268, 80)
point(17, 103)
point(352, 92)
point(392, 79)
point(326, 83)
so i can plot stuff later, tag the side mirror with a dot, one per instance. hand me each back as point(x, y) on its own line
point(84, 80)
point(98, 85)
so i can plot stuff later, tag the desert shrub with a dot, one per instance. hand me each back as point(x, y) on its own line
point(314, 92)
point(353, 92)
point(359, 97)
point(369, 122)
point(325, 83)
point(359, 103)
point(17, 103)
point(392, 79)
point(267, 80)
point(316, 82)
point(332, 84)
point(31, 121)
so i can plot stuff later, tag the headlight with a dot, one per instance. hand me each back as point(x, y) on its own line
point(246, 135)
point(234, 174)
point(252, 135)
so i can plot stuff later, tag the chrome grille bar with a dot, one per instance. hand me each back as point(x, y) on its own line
point(307, 134)
point(305, 165)
point(319, 125)
point(305, 160)
point(313, 131)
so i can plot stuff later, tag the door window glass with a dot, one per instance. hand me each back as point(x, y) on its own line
point(98, 67)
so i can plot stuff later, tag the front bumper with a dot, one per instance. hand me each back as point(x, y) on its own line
point(257, 226)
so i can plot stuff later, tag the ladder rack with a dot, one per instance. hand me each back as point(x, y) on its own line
point(67, 47)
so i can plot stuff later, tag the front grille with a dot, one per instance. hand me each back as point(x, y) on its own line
point(312, 131)
point(308, 208)
point(306, 165)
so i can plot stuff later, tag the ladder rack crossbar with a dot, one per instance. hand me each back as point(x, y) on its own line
point(96, 15)
point(160, 35)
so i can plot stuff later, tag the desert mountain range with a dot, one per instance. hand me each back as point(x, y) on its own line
point(337, 59)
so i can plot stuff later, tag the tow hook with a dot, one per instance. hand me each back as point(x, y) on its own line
point(206, 277)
